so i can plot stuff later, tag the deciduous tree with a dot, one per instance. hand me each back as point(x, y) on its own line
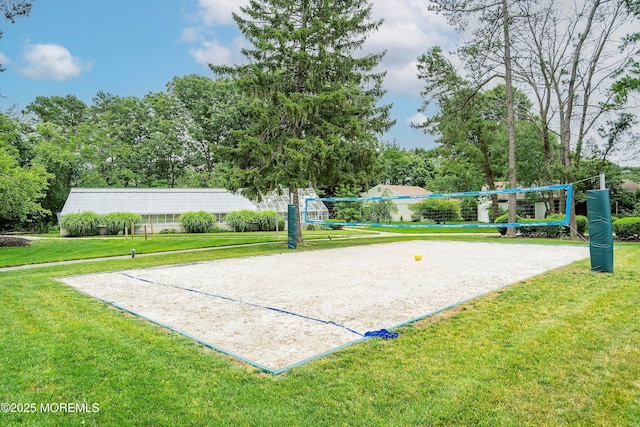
point(491, 39)
point(211, 110)
point(570, 55)
point(21, 187)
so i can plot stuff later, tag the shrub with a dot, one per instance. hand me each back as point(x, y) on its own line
point(197, 222)
point(241, 220)
point(627, 228)
point(40, 227)
point(266, 221)
point(168, 231)
point(581, 225)
point(503, 219)
point(319, 227)
point(469, 207)
point(116, 222)
point(380, 210)
point(550, 231)
point(582, 222)
point(438, 210)
point(217, 229)
point(335, 226)
point(349, 211)
point(81, 224)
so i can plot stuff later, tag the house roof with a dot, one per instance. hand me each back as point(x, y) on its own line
point(401, 190)
point(145, 201)
point(629, 185)
point(502, 185)
point(278, 202)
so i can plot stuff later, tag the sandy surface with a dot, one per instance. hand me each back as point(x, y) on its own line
point(326, 298)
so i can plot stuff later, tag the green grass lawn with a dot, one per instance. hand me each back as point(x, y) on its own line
point(63, 249)
point(559, 349)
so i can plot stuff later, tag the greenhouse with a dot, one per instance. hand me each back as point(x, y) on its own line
point(279, 202)
point(162, 207)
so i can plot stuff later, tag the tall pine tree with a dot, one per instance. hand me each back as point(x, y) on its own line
point(314, 112)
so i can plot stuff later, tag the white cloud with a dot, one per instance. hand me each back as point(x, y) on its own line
point(211, 52)
point(190, 35)
point(215, 12)
point(418, 119)
point(4, 59)
point(52, 62)
point(212, 17)
point(408, 30)
point(214, 52)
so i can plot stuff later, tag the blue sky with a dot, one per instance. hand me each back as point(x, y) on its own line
point(131, 48)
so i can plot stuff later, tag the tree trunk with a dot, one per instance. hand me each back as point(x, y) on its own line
point(511, 231)
point(488, 173)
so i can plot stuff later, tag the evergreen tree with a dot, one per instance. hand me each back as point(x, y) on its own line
point(314, 113)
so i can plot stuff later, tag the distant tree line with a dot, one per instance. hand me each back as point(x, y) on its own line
point(306, 109)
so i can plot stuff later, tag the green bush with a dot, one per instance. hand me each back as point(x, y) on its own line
point(241, 221)
point(550, 231)
point(217, 229)
point(469, 207)
point(116, 222)
point(266, 221)
point(81, 224)
point(349, 211)
point(438, 210)
point(627, 228)
point(247, 220)
point(563, 230)
point(197, 222)
point(380, 210)
point(503, 219)
point(168, 231)
point(582, 223)
point(319, 227)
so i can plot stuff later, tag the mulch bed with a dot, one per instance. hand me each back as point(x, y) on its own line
point(6, 241)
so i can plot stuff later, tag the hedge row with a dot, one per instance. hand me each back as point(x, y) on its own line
point(254, 221)
point(550, 231)
point(627, 228)
point(88, 223)
point(245, 220)
point(437, 210)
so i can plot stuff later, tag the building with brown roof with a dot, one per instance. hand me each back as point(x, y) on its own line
point(384, 190)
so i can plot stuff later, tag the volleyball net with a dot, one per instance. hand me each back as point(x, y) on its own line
point(540, 206)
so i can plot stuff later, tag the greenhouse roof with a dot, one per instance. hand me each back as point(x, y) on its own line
point(146, 201)
point(278, 202)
